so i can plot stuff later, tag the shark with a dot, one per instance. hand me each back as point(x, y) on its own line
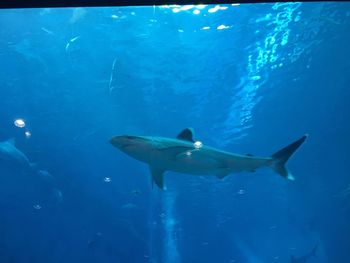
point(305, 258)
point(184, 154)
point(14, 159)
point(12, 156)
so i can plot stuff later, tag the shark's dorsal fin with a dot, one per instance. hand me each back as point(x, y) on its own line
point(157, 176)
point(186, 135)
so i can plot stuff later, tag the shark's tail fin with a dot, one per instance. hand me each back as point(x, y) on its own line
point(283, 155)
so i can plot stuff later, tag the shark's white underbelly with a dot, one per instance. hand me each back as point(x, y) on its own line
point(204, 161)
point(183, 163)
point(194, 162)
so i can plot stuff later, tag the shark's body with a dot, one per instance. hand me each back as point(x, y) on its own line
point(305, 258)
point(14, 160)
point(12, 156)
point(184, 155)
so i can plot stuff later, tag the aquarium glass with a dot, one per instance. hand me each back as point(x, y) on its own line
point(175, 134)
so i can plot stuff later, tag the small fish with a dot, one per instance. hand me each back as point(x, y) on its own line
point(74, 39)
point(71, 41)
point(47, 31)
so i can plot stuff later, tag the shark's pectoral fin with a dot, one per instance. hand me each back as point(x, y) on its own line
point(222, 174)
point(157, 176)
point(175, 151)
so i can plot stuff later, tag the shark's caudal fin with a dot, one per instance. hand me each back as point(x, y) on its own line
point(282, 156)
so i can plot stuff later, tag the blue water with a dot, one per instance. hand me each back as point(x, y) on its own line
point(248, 78)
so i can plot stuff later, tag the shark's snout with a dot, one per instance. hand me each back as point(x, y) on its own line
point(119, 141)
point(123, 141)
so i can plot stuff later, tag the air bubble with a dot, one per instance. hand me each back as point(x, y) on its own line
point(20, 123)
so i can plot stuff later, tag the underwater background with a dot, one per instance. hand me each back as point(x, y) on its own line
point(248, 78)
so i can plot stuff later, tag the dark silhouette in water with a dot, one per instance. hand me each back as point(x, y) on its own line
point(305, 258)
